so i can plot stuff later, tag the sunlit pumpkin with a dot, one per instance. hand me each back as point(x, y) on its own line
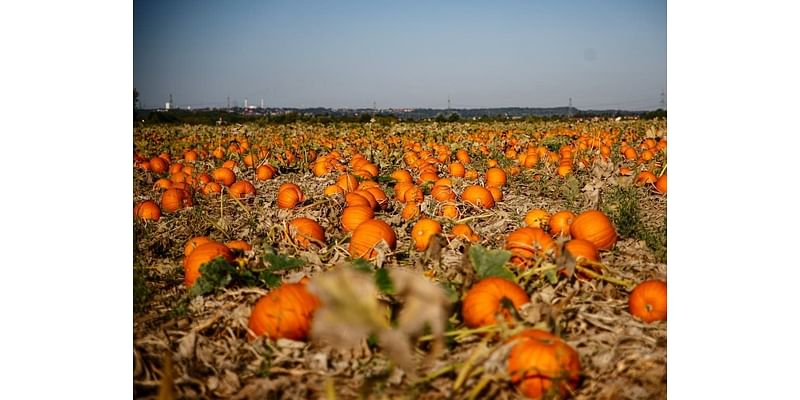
point(478, 196)
point(542, 365)
point(147, 210)
point(285, 312)
point(422, 232)
point(305, 232)
point(201, 255)
point(484, 301)
point(596, 227)
point(353, 216)
point(368, 235)
point(648, 301)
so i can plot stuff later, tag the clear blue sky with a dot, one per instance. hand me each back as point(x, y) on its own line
point(602, 54)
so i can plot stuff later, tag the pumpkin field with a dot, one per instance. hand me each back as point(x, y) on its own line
point(416, 260)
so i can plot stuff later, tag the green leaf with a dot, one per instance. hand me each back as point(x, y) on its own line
point(490, 262)
point(383, 281)
point(363, 265)
point(270, 279)
point(215, 274)
point(551, 276)
point(281, 262)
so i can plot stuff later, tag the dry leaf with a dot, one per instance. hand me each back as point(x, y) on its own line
point(166, 389)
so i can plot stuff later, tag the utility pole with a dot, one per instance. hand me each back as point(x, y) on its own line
point(662, 103)
point(229, 103)
point(569, 109)
point(448, 103)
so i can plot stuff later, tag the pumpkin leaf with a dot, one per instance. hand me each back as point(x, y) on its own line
point(490, 262)
point(383, 281)
point(362, 265)
point(215, 274)
point(551, 276)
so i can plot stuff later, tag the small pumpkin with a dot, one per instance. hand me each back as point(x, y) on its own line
point(239, 245)
point(465, 232)
point(285, 312)
point(495, 177)
point(173, 199)
point(306, 231)
point(560, 222)
point(478, 196)
point(484, 301)
point(410, 211)
point(242, 189)
point(224, 176)
point(368, 235)
point(211, 188)
point(596, 227)
point(661, 184)
point(648, 301)
point(147, 210)
point(201, 255)
point(265, 172)
point(422, 232)
point(542, 365)
point(537, 218)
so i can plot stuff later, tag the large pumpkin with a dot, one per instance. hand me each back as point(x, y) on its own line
point(541, 364)
point(595, 227)
point(353, 216)
point(201, 255)
point(648, 301)
point(147, 210)
point(483, 302)
point(284, 312)
point(367, 235)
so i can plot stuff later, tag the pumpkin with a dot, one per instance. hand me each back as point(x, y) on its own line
point(541, 364)
point(526, 243)
point(368, 235)
point(265, 172)
point(582, 249)
point(497, 194)
point(560, 222)
point(645, 177)
point(158, 165)
point(462, 156)
point(242, 189)
point(648, 301)
point(147, 210)
point(456, 169)
point(211, 188)
point(443, 193)
point(449, 210)
point(239, 245)
point(478, 196)
point(495, 177)
point(594, 226)
point(173, 199)
point(661, 184)
point(422, 232)
point(224, 176)
point(537, 218)
point(348, 182)
point(289, 196)
point(162, 183)
point(484, 301)
point(305, 231)
point(193, 243)
point(285, 312)
point(410, 211)
point(401, 175)
point(332, 190)
point(353, 216)
point(201, 255)
point(465, 232)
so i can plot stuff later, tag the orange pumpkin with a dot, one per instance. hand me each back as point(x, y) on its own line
point(465, 232)
point(495, 177)
point(478, 196)
point(645, 177)
point(305, 231)
point(661, 184)
point(594, 226)
point(201, 255)
point(526, 243)
point(483, 301)
point(537, 218)
point(560, 222)
point(147, 210)
point(173, 199)
point(422, 232)
point(242, 189)
point(456, 169)
point(193, 243)
point(353, 216)
point(541, 364)
point(211, 188)
point(289, 195)
point(410, 211)
point(368, 235)
point(239, 245)
point(285, 312)
point(648, 301)
point(449, 210)
point(265, 172)
point(224, 176)
point(159, 165)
